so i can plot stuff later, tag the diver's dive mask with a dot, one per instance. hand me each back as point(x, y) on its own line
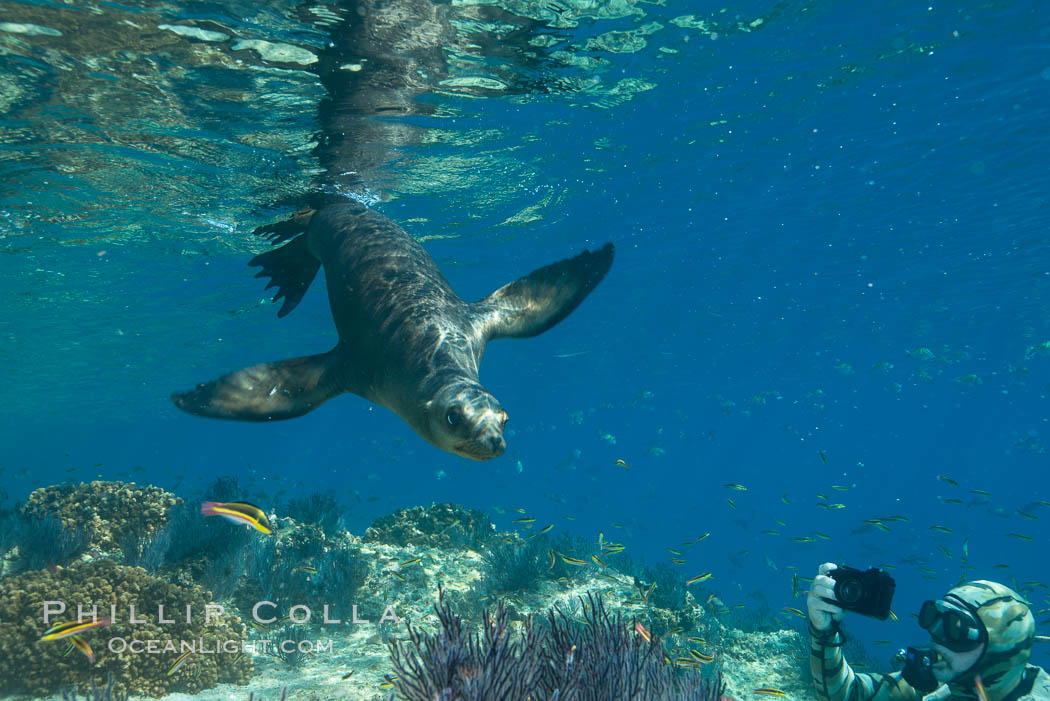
point(951, 623)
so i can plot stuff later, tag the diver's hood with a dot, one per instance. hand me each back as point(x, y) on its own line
point(1010, 625)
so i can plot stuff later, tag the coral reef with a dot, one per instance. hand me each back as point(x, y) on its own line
point(601, 659)
point(442, 526)
point(30, 665)
point(103, 510)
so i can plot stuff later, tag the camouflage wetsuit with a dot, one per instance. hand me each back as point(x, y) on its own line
point(1003, 667)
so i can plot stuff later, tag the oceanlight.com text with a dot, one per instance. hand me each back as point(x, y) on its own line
point(210, 646)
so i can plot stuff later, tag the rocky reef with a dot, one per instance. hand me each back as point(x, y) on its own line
point(39, 667)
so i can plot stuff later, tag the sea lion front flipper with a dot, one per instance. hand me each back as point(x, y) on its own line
point(531, 305)
point(267, 392)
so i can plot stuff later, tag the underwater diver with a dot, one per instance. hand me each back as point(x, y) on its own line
point(981, 638)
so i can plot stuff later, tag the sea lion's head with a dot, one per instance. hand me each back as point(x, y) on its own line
point(465, 419)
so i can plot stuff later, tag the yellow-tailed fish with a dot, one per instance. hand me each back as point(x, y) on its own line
point(83, 647)
point(980, 492)
point(642, 631)
point(623, 464)
point(701, 537)
point(571, 560)
point(546, 528)
point(553, 561)
point(768, 691)
point(524, 519)
point(598, 561)
point(953, 501)
point(672, 551)
point(794, 585)
point(795, 611)
point(948, 480)
point(413, 561)
point(677, 561)
point(702, 657)
point(307, 569)
point(239, 512)
point(840, 487)
point(179, 662)
point(698, 641)
point(978, 686)
point(699, 578)
point(61, 630)
point(804, 539)
point(893, 615)
point(941, 529)
point(733, 485)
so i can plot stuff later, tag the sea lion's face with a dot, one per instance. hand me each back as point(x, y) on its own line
point(468, 421)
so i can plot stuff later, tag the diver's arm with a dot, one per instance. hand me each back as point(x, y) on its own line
point(833, 678)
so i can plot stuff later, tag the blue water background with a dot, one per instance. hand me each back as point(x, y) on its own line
point(798, 210)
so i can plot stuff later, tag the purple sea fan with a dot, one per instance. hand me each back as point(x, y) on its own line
point(560, 660)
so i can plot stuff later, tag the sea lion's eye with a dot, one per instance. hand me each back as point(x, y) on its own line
point(503, 426)
point(454, 417)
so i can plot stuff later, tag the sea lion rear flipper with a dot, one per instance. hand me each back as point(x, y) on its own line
point(291, 268)
point(536, 302)
point(267, 392)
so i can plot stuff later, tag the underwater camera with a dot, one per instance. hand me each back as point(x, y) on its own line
point(867, 593)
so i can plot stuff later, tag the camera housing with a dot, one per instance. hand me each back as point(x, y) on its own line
point(868, 593)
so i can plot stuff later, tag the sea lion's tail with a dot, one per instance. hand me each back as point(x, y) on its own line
point(267, 392)
point(531, 305)
point(291, 268)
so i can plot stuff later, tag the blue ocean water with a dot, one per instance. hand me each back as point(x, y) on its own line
point(831, 269)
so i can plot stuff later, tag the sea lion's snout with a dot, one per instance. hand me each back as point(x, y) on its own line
point(471, 424)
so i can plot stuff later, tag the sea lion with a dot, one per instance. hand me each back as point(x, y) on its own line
point(406, 340)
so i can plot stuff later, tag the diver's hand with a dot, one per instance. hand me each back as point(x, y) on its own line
point(822, 613)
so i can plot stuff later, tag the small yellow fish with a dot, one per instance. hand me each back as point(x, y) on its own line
point(893, 615)
point(83, 647)
point(598, 561)
point(738, 487)
point(677, 561)
point(673, 552)
point(948, 480)
point(308, 569)
point(413, 561)
point(768, 691)
point(701, 537)
point(553, 561)
point(239, 512)
point(941, 529)
point(795, 611)
point(571, 560)
point(804, 539)
point(840, 487)
point(698, 641)
point(524, 519)
point(179, 662)
point(699, 578)
point(643, 631)
point(61, 630)
point(980, 492)
point(770, 531)
point(953, 501)
point(623, 464)
point(546, 529)
point(978, 685)
point(702, 657)
point(1021, 536)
